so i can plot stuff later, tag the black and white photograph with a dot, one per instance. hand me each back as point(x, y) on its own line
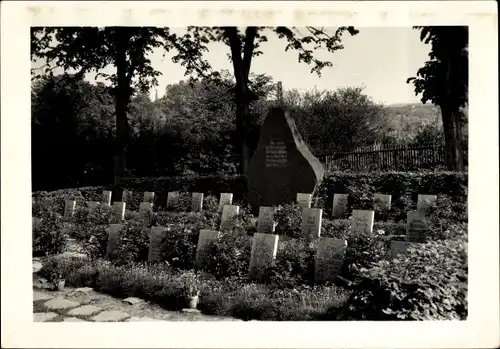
point(254, 174)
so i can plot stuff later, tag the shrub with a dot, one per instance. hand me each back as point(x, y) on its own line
point(49, 237)
point(95, 243)
point(132, 244)
point(229, 255)
point(428, 283)
point(288, 218)
point(362, 251)
point(85, 218)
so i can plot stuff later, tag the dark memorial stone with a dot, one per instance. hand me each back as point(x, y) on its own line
point(282, 165)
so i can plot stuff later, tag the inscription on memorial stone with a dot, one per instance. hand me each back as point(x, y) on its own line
point(276, 154)
point(155, 243)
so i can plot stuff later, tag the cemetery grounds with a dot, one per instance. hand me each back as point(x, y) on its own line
point(377, 246)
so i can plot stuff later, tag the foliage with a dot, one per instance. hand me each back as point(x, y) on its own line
point(229, 255)
point(428, 283)
point(343, 119)
point(49, 237)
point(444, 81)
point(228, 297)
point(288, 219)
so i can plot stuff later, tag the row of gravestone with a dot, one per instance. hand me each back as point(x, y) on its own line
point(330, 251)
point(339, 209)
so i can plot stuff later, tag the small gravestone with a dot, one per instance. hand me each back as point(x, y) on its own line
point(92, 204)
point(399, 248)
point(146, 211)
point(172, 197)
point(118, 211)
point(266, 223)
point(149, 196)
point(416, 226)
point(382, 202)
point(69, 208)
point(225, 199)
point(156, 243)
point(205, 237)
point(424, 202)
point(228, 213)
point(362, 221)
point(113, 234)
point(36, 221)
point(304, 200)
point(106, 197)
point(264, 248)
point(339, 208)
point(329, 258)
point(282, 164)
point(311, 222)
point(197, 202)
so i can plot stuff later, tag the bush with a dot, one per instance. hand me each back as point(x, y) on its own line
point(132, 244)
point(49, 237)
point(229, 255)
point(428, 283)
point(288, 219)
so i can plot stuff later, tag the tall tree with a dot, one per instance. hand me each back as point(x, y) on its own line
point(85, 49)
point(244, 44)
point(443, 80)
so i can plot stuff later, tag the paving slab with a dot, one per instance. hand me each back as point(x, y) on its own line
point(133, 300)
point(85, 310)
point(143, 318)
point(73, 319)
point(40, 296)
point(60, 303)
point(110, 315)
point(42, 317)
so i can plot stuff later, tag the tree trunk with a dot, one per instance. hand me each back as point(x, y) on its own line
point(454, 154)
point(242, 112)
point(121, 103)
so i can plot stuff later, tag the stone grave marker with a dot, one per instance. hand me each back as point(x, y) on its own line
point(339, 208)
point(264, 248)
point(113, 233)
point(149, 196)
point(92, 204)
point(69, 208)
point(416, 226)
point(282, 164)
point(156, 243)
point(205, 237)
point(382, 202)
point(35, 221)
point(362, 221)
point(266, 223)
point(118, 211)
point(172, 197)
point(225, 199)
point(311, 221)
point(197, 202)
point(106, 197)
point(424, 202)
point(146, 211)
point(329, 258)
point(399, 248)
point(304, 200)
point(228, 213)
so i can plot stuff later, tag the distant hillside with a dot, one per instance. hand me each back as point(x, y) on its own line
point(407, 118)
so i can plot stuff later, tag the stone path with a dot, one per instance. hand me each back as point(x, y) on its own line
point(84, 304)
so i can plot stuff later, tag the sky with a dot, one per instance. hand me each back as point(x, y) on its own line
point(377, 58)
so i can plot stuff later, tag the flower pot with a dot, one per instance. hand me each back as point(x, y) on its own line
point(193, 302)
point(59, 285)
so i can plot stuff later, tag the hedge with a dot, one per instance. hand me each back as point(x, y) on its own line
point(401, 185)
